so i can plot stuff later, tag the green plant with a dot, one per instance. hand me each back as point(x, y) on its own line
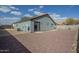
point(70, 21)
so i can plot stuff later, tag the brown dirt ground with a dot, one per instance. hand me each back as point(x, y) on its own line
point(51, 41)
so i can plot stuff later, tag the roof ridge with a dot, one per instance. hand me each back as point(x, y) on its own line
point(31, 18)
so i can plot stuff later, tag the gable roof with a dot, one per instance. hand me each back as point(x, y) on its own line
point(35, 17)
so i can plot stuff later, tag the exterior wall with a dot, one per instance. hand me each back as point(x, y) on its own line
point(46, 24)
point(32, 26)
point(23, 26)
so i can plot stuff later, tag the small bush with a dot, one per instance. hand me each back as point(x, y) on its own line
point(69, 28)
point(18, 29)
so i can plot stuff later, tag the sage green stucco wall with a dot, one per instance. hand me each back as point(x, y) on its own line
point(45, 24)
point(24, 26)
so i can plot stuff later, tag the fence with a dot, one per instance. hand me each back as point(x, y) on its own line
point(68, 27)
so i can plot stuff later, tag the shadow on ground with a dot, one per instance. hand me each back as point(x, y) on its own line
point(78, 43)
point(9, 44)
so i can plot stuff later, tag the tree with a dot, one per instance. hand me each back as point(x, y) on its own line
point(77, 21)
point(70, 21)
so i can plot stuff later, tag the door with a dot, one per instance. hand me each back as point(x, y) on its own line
point(36, 26)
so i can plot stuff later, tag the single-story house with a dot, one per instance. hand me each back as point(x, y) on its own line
point(39, 23)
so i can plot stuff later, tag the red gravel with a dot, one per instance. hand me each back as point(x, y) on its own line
point(52, 41)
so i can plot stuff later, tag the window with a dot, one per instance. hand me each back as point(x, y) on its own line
point(51, 24)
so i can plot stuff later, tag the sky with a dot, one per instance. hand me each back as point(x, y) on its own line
point(13, 13)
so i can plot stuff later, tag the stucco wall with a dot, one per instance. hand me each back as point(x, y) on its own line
point(32, 26)
point(23, 26)
point(46, 24)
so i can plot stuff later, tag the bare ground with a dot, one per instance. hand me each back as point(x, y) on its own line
point(51, 41)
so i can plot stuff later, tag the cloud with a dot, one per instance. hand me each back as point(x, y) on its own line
point(36, 9)
point(13, 8)
point(38, 13)
point(8, 8)
point(28, 15)
point(57, 16)
point(30, 9)
point(16, 13)
point(4, 9)
point(41, 7)
point(8, 20)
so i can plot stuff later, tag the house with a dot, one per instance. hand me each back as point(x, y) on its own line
point(39, 23)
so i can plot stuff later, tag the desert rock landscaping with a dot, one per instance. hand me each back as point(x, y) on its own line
point(56, 41)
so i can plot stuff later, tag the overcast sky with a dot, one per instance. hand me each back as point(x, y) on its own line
point(12, 13)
